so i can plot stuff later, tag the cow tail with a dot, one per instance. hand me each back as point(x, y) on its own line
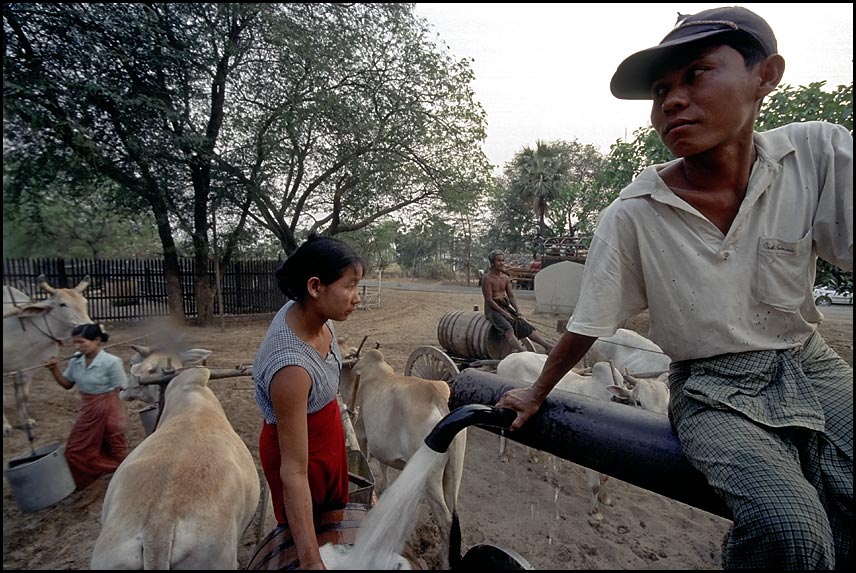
point(157, 547)
point(454, 470)
point(455, 543)
point(451, 485)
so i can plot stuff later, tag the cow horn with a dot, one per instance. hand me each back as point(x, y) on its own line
point(83, 284)
point(630, 380)
point(612, 371)
point(143, 350)
point(360, 347)
point(43, 283)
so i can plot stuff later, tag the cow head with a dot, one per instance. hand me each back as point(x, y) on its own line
point(151, 361)
point(650, 394)
point(352, 365)
point(65, 308)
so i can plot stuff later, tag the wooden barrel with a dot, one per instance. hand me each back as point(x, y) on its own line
point(469, 334)
point(340, 526)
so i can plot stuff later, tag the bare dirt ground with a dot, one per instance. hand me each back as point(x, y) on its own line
point(536, 509)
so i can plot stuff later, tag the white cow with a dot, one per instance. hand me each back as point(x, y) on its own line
point(184, 496)
point(628, 351)
point(394, 416)
point(34, 331)
point(604, 383)
point(599, 382)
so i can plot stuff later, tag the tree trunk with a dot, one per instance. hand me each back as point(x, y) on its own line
point(171, 268)
point(204, 298)
point(174, 293)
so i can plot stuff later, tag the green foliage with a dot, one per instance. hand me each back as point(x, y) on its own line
point(553, 182)
point(54, 207)
point(292, 117)
point(371, 118)
point(513, 226)
point(807, 103)
point(425, 246)
point(435, 270)
point(375, 244)
point(537, 176)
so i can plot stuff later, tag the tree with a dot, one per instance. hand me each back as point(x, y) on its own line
point(538, 176)
point(136, 93)
point(299, 117)
point(56, 208)
point(349, 114)
point(422, 246)
point(585, 163)
point(807, 103)
point(512, 227)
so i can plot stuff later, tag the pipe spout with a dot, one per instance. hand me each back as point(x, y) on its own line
point(473, 414)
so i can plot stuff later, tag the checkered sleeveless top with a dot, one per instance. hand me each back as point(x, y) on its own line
point(281, 347)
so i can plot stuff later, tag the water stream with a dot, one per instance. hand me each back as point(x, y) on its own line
point(388, 525)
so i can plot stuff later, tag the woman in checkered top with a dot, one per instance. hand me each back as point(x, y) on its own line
point(296, 375)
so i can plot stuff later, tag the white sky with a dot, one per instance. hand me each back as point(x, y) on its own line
point(542, 71)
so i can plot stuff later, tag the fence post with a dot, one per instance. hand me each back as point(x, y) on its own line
point(219, 291)
point(62, 280)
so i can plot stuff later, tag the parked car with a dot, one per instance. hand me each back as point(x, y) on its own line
point(825, 296)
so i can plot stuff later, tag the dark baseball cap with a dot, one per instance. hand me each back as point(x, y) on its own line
point(632, 79)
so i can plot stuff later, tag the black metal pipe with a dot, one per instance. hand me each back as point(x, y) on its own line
point(628, 443)
point(446, 429)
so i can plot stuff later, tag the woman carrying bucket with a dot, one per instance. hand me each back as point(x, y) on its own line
point(296, 374)
point(96, 445)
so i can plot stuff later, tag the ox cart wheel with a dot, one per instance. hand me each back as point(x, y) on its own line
point(431, 363)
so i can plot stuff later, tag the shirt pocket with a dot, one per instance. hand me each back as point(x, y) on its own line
point(783, 271)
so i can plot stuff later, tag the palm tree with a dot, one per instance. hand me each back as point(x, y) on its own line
point(538, 176)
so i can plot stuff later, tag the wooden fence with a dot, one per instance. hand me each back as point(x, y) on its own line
point(132, 289)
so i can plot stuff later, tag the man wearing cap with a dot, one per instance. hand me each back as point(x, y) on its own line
point(720, 246)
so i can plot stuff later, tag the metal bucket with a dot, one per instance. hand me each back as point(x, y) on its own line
point(149, 417)
point(40, 479)
point(469, 334)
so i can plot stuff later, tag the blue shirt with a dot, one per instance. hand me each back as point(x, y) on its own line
point(105, 373)
point(281, 347)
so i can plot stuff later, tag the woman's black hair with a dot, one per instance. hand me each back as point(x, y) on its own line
point(322, 257)
point(90, 332)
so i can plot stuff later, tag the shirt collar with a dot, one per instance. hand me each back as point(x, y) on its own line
point(772, 147)
point(80, 357)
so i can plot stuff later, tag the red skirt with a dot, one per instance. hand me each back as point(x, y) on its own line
point(328, 462)
point(97, 445)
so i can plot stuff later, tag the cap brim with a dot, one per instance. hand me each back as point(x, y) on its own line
point(633, 78)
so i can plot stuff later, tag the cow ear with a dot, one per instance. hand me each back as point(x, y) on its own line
point(135, 369)
point(33, 310)
point(142, 350)
point(620, 391)
point(194, 357)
